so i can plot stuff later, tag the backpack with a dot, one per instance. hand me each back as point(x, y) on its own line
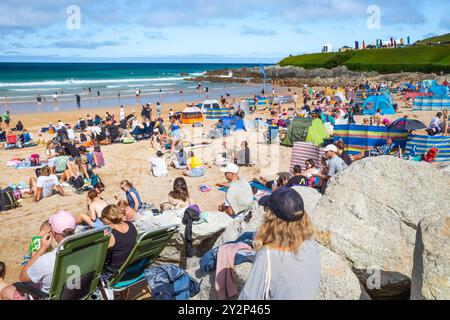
point(169, 282)
point(77, 183)
point(8, 200)
point(35, 160)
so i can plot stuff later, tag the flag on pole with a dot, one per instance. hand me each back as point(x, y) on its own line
point(263, 72)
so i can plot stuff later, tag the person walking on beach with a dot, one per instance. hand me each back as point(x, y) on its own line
point(78, 99)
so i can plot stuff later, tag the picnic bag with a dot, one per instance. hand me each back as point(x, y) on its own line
point(8, 200)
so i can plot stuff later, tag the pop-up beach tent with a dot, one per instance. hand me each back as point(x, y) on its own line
point(373, 103)
point(305, 130)
point(358, 138)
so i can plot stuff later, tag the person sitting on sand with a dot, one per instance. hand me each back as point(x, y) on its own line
point(348, 159)
point(284, 243)
point(435, 125)
point(97, 156)
point(239, 196)
point(95, 207)
point(39, 269)
point(7, 291)
point(131, 215)
point(311, 169)
point(99, 188)
point(178, 197)
point(62, 165)
point(133, 197)
point(298, 179)
point(35, 243)
point(50, 154)
point(122, 241)
point(158, 165)
point(180, 160)
point(335, 165)
point(242, 157)
point(45, 186)
point(194, 166)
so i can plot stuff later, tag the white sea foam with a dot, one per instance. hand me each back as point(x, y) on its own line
point(83, 82)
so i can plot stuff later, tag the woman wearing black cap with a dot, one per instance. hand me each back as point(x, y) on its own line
point(287, 264)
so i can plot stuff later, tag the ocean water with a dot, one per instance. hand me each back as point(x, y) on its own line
point(22, 83)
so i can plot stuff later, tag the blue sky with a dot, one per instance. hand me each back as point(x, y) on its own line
point(205, 30)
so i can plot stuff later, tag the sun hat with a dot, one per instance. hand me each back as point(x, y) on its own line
point(331, 147)
point(62, 221)
point(285, 203)
point(231, 168)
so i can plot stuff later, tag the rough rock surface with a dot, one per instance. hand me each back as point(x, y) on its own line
point(338, 282)
point(431, 272)
point(369, 216)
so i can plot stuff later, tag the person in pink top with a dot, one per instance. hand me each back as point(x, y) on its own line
point(97, 155)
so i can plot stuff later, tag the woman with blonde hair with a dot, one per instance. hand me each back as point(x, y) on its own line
point(287, 263)
point(123, 238)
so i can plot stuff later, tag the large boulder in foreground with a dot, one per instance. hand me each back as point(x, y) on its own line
point(431, 272)
point(370, 214)
point(338, 282)
point(204, 235)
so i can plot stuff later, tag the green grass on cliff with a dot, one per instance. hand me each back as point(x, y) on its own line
point(425, 59)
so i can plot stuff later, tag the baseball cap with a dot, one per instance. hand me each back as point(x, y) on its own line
point(62, 221)
point(231, 168)
point(285, 203)
point(331, 147)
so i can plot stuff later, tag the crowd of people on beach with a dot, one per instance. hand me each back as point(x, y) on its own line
point(284, 243)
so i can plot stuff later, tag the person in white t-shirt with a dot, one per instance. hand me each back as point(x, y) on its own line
point(159, 165)
point(46, 185)
point(70, 133)
point(122, 113)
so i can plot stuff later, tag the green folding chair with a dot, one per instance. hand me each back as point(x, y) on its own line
point(148, 247)
point(78, 266)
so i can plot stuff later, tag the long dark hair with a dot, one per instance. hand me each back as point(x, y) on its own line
point(180, 190)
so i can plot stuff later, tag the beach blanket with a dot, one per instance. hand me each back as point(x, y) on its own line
point(255, 184)
point(358, 138)
point(421, 144)
point(303, 151)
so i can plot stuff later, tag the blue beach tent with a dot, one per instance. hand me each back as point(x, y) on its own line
point(373, 103)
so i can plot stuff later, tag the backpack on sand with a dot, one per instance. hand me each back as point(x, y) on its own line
point(8, 200)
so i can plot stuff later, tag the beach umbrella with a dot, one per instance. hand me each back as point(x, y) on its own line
point(407, 124)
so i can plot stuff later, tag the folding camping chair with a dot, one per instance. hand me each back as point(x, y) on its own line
point(12, 142)
point(148, 247)
point(78, 266)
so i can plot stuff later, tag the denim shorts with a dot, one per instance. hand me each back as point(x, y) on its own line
point(197, 172)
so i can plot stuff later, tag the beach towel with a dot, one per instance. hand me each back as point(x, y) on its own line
point(225, 279)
